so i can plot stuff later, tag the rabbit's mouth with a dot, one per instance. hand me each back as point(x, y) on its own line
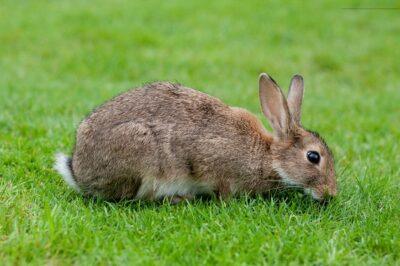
point(294, 184)
point(312, 193)
point(324, 195)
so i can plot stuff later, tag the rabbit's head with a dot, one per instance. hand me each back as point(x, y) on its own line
point(300, 157)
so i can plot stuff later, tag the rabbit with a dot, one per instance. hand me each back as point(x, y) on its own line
point(164, 140)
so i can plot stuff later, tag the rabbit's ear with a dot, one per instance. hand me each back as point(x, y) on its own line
point(295, 98)
point(274, 106)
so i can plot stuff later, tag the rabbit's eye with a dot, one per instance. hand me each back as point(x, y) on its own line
point(313, 157)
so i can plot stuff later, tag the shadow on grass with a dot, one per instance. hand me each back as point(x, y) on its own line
point(291, 199)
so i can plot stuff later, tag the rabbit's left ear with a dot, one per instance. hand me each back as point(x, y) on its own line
point(295, 98)
point(274, 106)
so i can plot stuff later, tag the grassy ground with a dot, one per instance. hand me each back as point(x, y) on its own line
point(59, 59)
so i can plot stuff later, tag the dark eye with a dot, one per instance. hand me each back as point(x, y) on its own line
point(313, 157)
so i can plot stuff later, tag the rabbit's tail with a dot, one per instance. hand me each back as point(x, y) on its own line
point(63, 165)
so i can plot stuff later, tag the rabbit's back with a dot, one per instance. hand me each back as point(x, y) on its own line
point(157, 133)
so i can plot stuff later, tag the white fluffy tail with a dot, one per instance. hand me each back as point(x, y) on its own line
point(62, 165)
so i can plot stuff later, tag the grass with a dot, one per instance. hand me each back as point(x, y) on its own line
point(59, 59)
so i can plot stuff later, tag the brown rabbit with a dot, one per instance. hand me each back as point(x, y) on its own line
point(166, 140)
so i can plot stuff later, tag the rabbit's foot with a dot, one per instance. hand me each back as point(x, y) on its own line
point(178, 199)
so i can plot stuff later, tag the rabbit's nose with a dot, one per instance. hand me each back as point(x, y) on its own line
point(329, 193)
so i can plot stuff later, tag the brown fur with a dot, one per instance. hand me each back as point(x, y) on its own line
point(169, 133)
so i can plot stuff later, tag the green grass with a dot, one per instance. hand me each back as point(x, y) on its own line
point(59, 59)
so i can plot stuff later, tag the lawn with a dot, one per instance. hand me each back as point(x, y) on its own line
point(60, 59)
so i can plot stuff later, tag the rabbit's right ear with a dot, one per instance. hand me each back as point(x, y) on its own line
point(295, 98)
point(274, 105)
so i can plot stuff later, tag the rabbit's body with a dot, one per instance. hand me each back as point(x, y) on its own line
point(164, 140)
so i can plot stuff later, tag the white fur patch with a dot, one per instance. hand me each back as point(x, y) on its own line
point(62, 167)
point(285, 177)
point(311, 192)
point(161, 188)
point(146, 188)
